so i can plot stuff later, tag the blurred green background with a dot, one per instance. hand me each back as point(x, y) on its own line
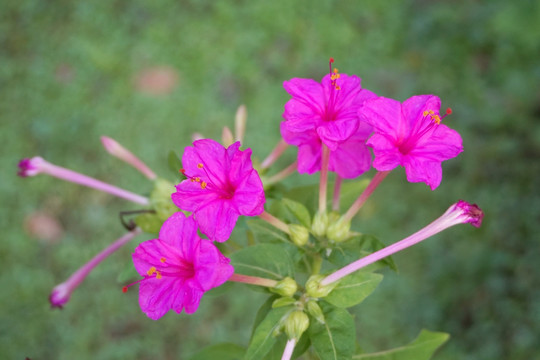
point(149, 74)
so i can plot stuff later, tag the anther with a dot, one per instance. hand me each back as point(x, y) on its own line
point(203, 185)
point(162, 260)
point(151, 271)
point(200, 166)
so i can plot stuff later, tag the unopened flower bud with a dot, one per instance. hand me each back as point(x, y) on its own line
point(299, 234)
point(320, 223)
point(339, 230)
point(283, 301)
point(315, 310)
point(315, 289)
point(286, 287)
point(296, 324)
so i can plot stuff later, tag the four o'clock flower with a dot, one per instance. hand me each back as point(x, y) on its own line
point(411, 135)
point(177, 268)
point(37, 165)
point(221, 186)
point(62, 292)
point(326, 113)
point(459, 213)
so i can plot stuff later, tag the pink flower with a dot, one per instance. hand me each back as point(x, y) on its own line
point(411, 135)
point(221, 186)
point(178, 268)
point(326, 113)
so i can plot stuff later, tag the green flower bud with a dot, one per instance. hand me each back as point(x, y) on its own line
point(286, 287)
point(315, 310)
point(339, 230)
point(320, 223)
point(283, 301)
point(297, 322)
point(299, 234)
point(315, 289)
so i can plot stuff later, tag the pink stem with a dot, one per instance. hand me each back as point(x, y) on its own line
point(355, 207)
point(117, 150)
point(324, 178)
point(253, 280)
point(274, 221)
point(282, 174)
point(275, 154)
point(289, 349)
point(337, 193)
point(62, 292)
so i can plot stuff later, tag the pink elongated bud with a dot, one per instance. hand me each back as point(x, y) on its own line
point(460, 213)
point(61, 293)
point(120, 152)
point(240, 120)
point(37, 165)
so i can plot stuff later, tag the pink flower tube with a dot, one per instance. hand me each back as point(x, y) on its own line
point(460, 213)
point(37, 165)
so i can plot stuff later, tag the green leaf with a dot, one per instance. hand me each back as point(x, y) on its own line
point(264, 232)
point(264, 335)
point(335, 339)
point(263, 260)
point(262, 312)
point(175, 164)
point(422, 348)
point(353, 289)
point(225, 351)
point(128, 273)
point(299, 211)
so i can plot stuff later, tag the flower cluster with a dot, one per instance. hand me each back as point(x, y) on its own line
point(336, 125)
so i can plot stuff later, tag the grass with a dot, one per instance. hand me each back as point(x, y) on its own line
point(69, 72)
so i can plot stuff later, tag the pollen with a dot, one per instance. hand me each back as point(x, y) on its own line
point(151, 271)
point(203, 185)
point(162, 260)
point(200, 166)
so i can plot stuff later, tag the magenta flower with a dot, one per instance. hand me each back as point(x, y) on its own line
point(411, 135)
point(221, 186)
point(327, 113)
point(178, 268)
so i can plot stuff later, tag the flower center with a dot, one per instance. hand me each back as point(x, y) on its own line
point(225, 190)
point(422, 127)
point(183, 270)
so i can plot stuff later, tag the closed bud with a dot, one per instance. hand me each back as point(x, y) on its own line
point(315, 311)
point(299, 234)
point(320, 223)
point(286, 287)
point(297, 322)
point(339, 230)
point(315, 289)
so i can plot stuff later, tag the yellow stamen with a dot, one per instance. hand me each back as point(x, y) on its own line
point(203, 185)
point(158, 275)
point(197, 179)
point(151, 271)
point(200, 166)
point(162, 259)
